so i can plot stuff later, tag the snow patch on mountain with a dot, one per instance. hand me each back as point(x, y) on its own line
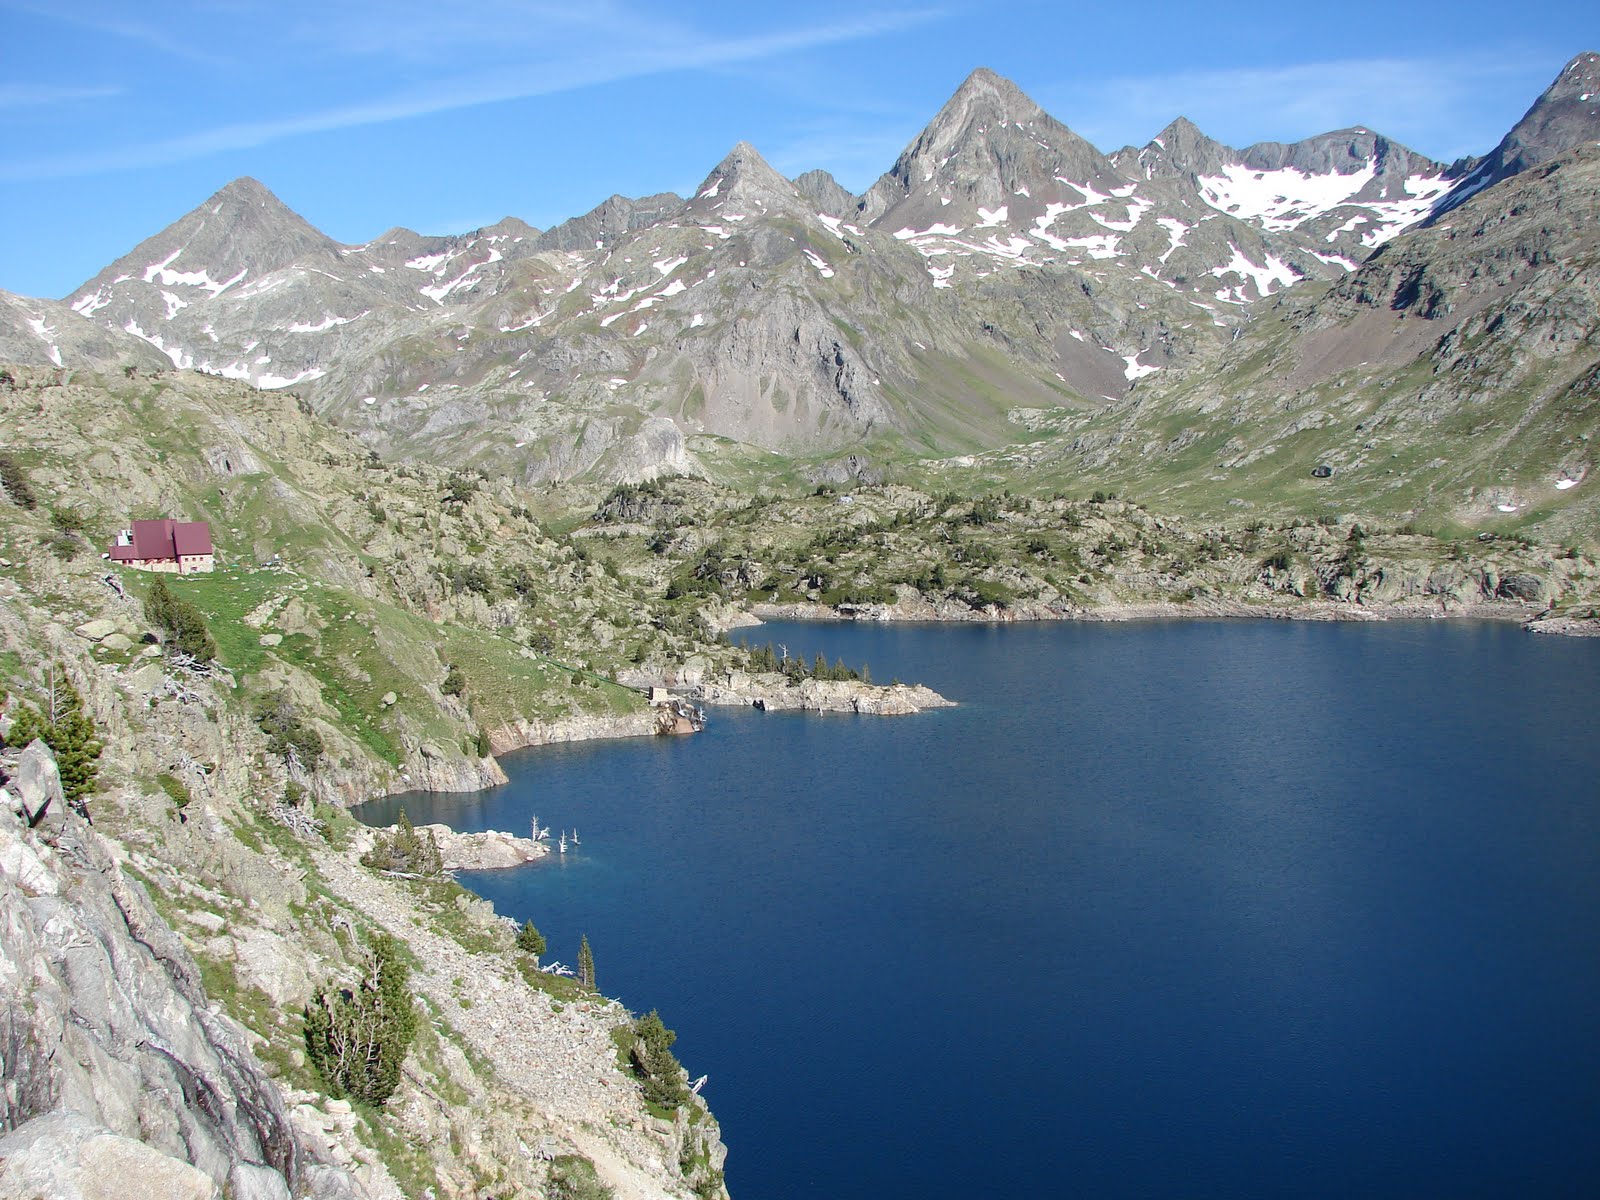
point(273, 382)
point(328, 322)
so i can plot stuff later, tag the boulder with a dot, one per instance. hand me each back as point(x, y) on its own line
point(66, 1156)
point(36, 783)
point(266, 961)
point(248, 1181)
point(97, 630)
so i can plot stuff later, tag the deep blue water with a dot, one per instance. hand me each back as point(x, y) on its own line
point(1178, 909)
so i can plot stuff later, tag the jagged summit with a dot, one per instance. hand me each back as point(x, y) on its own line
point(988, 144)
point(511, 227)
point(612, 218)
point(242, 231)
point(985, 87)
point(1179, 149)
point(1565, 116)
point(830, 196)
point(744, 183)
point(1002, 256)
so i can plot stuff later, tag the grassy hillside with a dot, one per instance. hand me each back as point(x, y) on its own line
point(343, 582)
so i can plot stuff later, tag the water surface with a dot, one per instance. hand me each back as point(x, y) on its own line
point(1173, 909)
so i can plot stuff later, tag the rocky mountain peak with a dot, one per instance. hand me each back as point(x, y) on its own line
point(1564, 117)
point(985, 94)
point(988, 144)
point(830, 197)
point(1179, 149)
point(612, 218)
point(511, 227)
point(744, 183)
point(241, 232)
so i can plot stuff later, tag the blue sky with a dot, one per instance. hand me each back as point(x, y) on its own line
point(444, 115)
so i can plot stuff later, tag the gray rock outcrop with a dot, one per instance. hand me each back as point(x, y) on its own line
point(120, 1074)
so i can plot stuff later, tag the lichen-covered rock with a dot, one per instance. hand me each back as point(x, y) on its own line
point(66, 1156)
point(102, 1013)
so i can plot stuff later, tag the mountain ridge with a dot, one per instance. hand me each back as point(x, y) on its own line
point(1001, 264)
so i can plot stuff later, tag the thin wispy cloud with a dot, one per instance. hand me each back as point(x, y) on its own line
point(423, 30)
point(492, 86)
point(1395, 96)
point(38, 95)
point(113, 23)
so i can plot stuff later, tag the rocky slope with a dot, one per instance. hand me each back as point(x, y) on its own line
point(105, 1017)
point(43, 333)
point(157, 966)
point(1451, 378)
point(895, 553)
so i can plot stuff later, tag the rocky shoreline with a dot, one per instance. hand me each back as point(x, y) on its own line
point(490, 850)
point(1535, 618)
point(773, 693)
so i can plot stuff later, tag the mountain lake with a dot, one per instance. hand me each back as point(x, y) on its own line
point(1232, 908)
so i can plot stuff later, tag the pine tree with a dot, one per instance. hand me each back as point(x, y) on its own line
point(183, 624)
point(357, 1038)
point(530, 940)
point(660, 1073)
point(68, 730)
point(586, 964)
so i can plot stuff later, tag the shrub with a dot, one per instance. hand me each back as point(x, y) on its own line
point(530, 940)
point(405, 851)
point(174, 788)
point(357, 1037)
point(287, 734)
point(574, 1178)
point(455, 683)
point(15, 481)
point(183, 625)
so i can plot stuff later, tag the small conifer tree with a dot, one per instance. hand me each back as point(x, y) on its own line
point(530, 940)
point(660, 1074)
point(586, 964)
point(181, 622)
point(357, 1037)
point(405, 851)
point(68, 730)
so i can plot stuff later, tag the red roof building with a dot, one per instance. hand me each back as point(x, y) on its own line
point(182, 547)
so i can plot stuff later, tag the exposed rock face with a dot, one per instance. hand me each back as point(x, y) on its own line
point(1566, 116)
point(102, 1015)
point(570, 729)
point(824, 189)
point(45, 333)
point(608, 221)
point(434, 772)
point(66, 1156)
